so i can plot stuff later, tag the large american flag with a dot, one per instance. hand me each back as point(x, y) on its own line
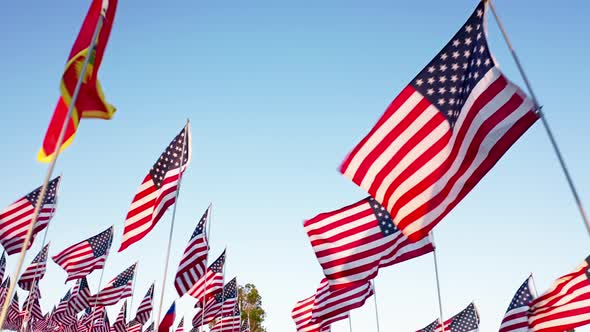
point(81, 296)
point(120, 323)
point(442, 133)
point(158, 190)
point(516, 317)
point(117, 289)
point(354, 242)
point(82, 258)
point(333, 303)
point(36, 271)
point(144, 311)
point(194, 260)
point(229, 322)
point(566, 305)
point(15, 219)
point(302, 316)
point(211, 282)
point(465, 321)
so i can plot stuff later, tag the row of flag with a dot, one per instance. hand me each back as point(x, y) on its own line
point(438, 138)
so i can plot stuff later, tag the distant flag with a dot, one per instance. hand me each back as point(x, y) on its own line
point(180, 327)
point(230, 297)
point(90, 102)
point(302, 316)
point(229, 321)
point(150, 328)
point(432, 327)
point(101, 320)
point(120, 323)
point(516, 317)
point(465, 321)
point(194, 260)
point(15, 219)
point(35, 271)
point(32, 304)
point(82, 258)
point(145, 307)
point(566, 305)
point(168, 319)
point(117, 289)
point(354, 242)
point(63, 314)
point(81, 296)
point(13, 309)
point(212, 281)
point(333, 303)
point(158, 190)
point(211, 312)
point(2, 265)
point(134, 326)
point(245, 326)
point(4, 289)
point(442, 133)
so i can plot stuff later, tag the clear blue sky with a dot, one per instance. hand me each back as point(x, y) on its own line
point(278, 93)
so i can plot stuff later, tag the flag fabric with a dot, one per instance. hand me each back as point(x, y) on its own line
point(4, 289)
point(134, 326)
point(516, 317)
point(13, 309)
point(211, 282)
point(100, 320)
point(120, 323)
point(302, 316)
point(465, 321)
point(145, 307)
point(354, 242)
point(442, 133)
point(36, 271)
point(168, 319)
point(245, 326)
point(2, 265)
point(180, 327)
point(333, 303)
point(119, 288)
point(211, 312)
point(432, 327)
point(566, 305)
point(81, 296)
point(158, 190)
point(229, 322)
point(90, 102)
point(82, 258)
point(230, 297)
point(15, 219)
point(150, 328)
point(63, 314)
point(194, 260)
point(32, 304)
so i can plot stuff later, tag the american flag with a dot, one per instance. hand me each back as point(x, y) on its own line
point(2, 265)
point(117, 289)
point(302, 316)
point(565, 305)
point(120, 323)
point(211, 282)
point(194, 260)
point(442, 133)
point(180, 327)
point(229, 322)
point(36, 271)
point(150, 328)
point(82, 258)
point(15, 219)
point(145, 307)
point(158, 190)
point(4, 289)
point(100, 320)
point(63, 314)
point(354, 242)
point(432, 327)
point(465, 321)
point(230, 297)
point(211, 312)
point(134, 326)
point(32, 305)
point(13, 309)
point(516, 317)
point(332, 303)
point(81, 296)
point(245, 326)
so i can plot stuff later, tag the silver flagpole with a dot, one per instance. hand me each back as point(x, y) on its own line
point(440, 309)
point(534, 285)
point(60, 140)
point(172, 222)
point(539, 111)
point(222, 295)
point(208, 235)
point(375, 300)
point(98, 291)
point(133, 289)
point(350, 323)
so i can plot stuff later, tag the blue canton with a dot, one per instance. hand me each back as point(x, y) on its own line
point(125, 277)
point(50, 194)
point(170, 159)
point(522, 298)
point(383, 217)
point(230, 290)
point(200, 225)
point(101, 243)
point(465, 321)
point(217, 266)
point(432, 327)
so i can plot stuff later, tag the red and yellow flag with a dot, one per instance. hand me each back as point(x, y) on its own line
point(90, 102)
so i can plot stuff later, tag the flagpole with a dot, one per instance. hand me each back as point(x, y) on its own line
point(132, 290)
point(375, 300)
point(172, 222)
point(98, 291)
point(350, 322)
point(534, 285)
point(440, 309)
point(539, 111)
point(208, 235)
point(222, 289)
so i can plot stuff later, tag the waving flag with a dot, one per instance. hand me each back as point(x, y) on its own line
point(81, 296)
point(32, 304)
point(566, 305)
point(442, 133)
point(82, 258)
point(516, 317)
point(157, 192)
point(120, 323)
point(134, 326)
point(465, 321)
point(63, 314)
point(117, 289)
point(230, 297)
point(36, 271)
point(145, 307)
point(211, 282)
point(180, 327)
point(15, 219)
point(329, 303)
point(90, 102)
point(2, 265)
point(302, 316)
point(354, 242)
point(245, 326)
point(229, 322)
point(14, 309)
point(4, 289)
point(150, 328)
point(168, 319)
point(194, 260)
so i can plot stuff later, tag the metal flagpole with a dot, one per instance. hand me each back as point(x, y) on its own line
point(98, 291)
point(440, 309)
point(52, 165)
point(222, 290)
point(208, 235)
point(539, 111)
point(172, 222)
point(375, 299)
point(534, 285)
point(133, 289)
point(350, 322)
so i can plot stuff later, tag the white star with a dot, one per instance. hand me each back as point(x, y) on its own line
point(431, 69)
point(464, 65)
point(467, 41)
point(442, 79)
point(441, 101)
point(455, 66)
point(487, 62)
point(442, 90)
point(482, 49)
point(419, 82)
point(466, 53)
point(476, 75)
point(478, 36)
point(444, 56)
point(478, 27)
point(454, 88)
point(478, 62)
point(452, 101)
point(430, 80)
point(429, 91)
point(468, 28)
point(443, 67)
point(455, 55)
point(456, 42)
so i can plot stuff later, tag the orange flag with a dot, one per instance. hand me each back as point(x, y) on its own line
point(90, 102)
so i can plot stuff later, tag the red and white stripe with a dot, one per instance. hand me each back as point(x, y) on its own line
point(120, 323)
point(302, 316)
point(134, 326)
point(227, 324)
point(329, 304)
point(81, 296)
point(36, 271)
point(180, 327)
point(566, 305)
point(145, 307)
point(114, 292)
point(193, 263)
point(351, 247)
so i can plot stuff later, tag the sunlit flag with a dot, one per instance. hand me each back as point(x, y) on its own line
point(211, 282)
point(144, 311)
point(302, 316)
point(81, 296)
point(229, 321)
point(333, 303)
point(516, 317)
point(465, 321)
point(36, 271)
point(117, 289)
point(194, 260)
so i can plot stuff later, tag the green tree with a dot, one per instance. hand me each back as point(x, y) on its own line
point(251, 306)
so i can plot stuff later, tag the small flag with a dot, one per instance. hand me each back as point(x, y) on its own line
point(565, 305)
point(245, 326)
point(145, 307)
point(333, 303)
point(229, 321)
point(442, 133)
point(302, 316)
point(194, 260)
point(15, 219)
point(117, 289)
point(134, 326)
point(81, 296)
point(230, 297)
point(158, 190)
point(4, 289)
point(180, 327)
point(150, 328)
point(516, 317)
point(465, 321)
point(90, 102)
point(120, 323)
point(2, 265)
point(212, 281)
point(168, 319)
point(36, 271)
point(32, 303)
point(82, 258)
point(14, 309)
point(63, 314)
